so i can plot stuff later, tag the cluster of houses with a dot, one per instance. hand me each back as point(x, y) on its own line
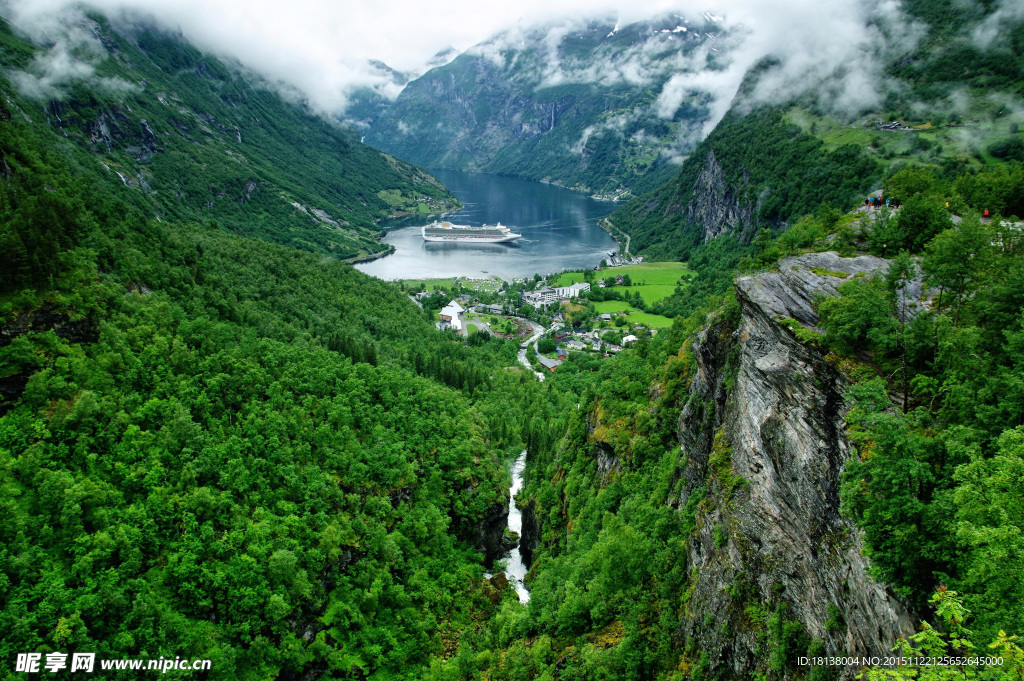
point(452, 316)
point(602, 283)
point(580, 341)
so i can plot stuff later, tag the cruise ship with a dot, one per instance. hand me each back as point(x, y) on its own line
point(488, 234)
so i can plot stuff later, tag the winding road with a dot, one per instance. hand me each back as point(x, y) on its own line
point(538, 331)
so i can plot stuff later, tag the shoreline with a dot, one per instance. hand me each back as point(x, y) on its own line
point(607, 226)
point(370, 257)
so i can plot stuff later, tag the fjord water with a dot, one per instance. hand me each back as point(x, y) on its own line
point(559, 229)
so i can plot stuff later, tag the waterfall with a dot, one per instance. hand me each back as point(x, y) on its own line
point(515, 570)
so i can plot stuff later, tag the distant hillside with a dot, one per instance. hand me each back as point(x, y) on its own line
point(953, 102)
point(192, 138)
point(582, 111)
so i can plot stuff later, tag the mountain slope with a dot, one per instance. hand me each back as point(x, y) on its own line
point(192, 138)
point(576, 106)
point(752, 171)
point(952, 101)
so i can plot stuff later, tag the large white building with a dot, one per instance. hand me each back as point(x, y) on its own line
point(572, 291)
point(452, 316)
point(541, 296)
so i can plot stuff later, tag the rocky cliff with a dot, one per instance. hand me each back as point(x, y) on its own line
point(716, 208)
point(489, 532)
point(752, 171)
point(763, 435)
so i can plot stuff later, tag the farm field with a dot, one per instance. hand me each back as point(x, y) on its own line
point(652, 293)
point(654, 281)
point(654, 321)
point(604, 306)
point(634, 316)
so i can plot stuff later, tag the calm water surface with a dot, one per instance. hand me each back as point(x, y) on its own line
point(559, 229)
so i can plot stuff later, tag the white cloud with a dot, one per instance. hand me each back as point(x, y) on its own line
point(322, 48)
point(994, 28)
point(73, 53)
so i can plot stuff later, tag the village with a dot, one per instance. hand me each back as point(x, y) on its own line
point(595, 312)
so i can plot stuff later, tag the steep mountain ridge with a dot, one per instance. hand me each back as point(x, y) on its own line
point(753, 171)
point(575, 106)
point(949, 100)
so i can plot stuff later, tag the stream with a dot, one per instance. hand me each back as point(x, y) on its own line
point(515, 570)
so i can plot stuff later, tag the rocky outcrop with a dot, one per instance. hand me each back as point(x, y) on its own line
point(717, 207)
point(801, 280)
point(509, 541)
point(489, 533)
point(763, 435)
point(529, 542)
point(47, 318)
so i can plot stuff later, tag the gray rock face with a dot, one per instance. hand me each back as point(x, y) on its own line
point(489, 533)
point(801, 280)
point(717, 208)
point(529, 542)
point(778, 536)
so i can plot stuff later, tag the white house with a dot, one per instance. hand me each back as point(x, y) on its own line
point(452, 316)
point(629, 339)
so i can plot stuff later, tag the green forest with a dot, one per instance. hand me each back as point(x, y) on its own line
point(220, 441)
point(218, 447)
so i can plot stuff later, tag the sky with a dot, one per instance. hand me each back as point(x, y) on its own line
point(322, 48)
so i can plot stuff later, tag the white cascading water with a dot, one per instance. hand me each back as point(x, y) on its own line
point(515, 570)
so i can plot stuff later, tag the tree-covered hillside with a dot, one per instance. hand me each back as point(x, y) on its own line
point(213, 446)
point(199, 139)
point(765, 170)
point(216, 447)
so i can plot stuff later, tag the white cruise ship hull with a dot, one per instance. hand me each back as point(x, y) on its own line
point(456, 238)
point(445, 232)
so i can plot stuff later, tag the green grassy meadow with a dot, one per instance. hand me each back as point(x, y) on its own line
point(654, 321)
point(654, 281)
point(604, 306)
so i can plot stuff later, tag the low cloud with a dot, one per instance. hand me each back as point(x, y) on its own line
point(73, 53)
point(323, 50)
point(837, 51)
point(994, 30)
